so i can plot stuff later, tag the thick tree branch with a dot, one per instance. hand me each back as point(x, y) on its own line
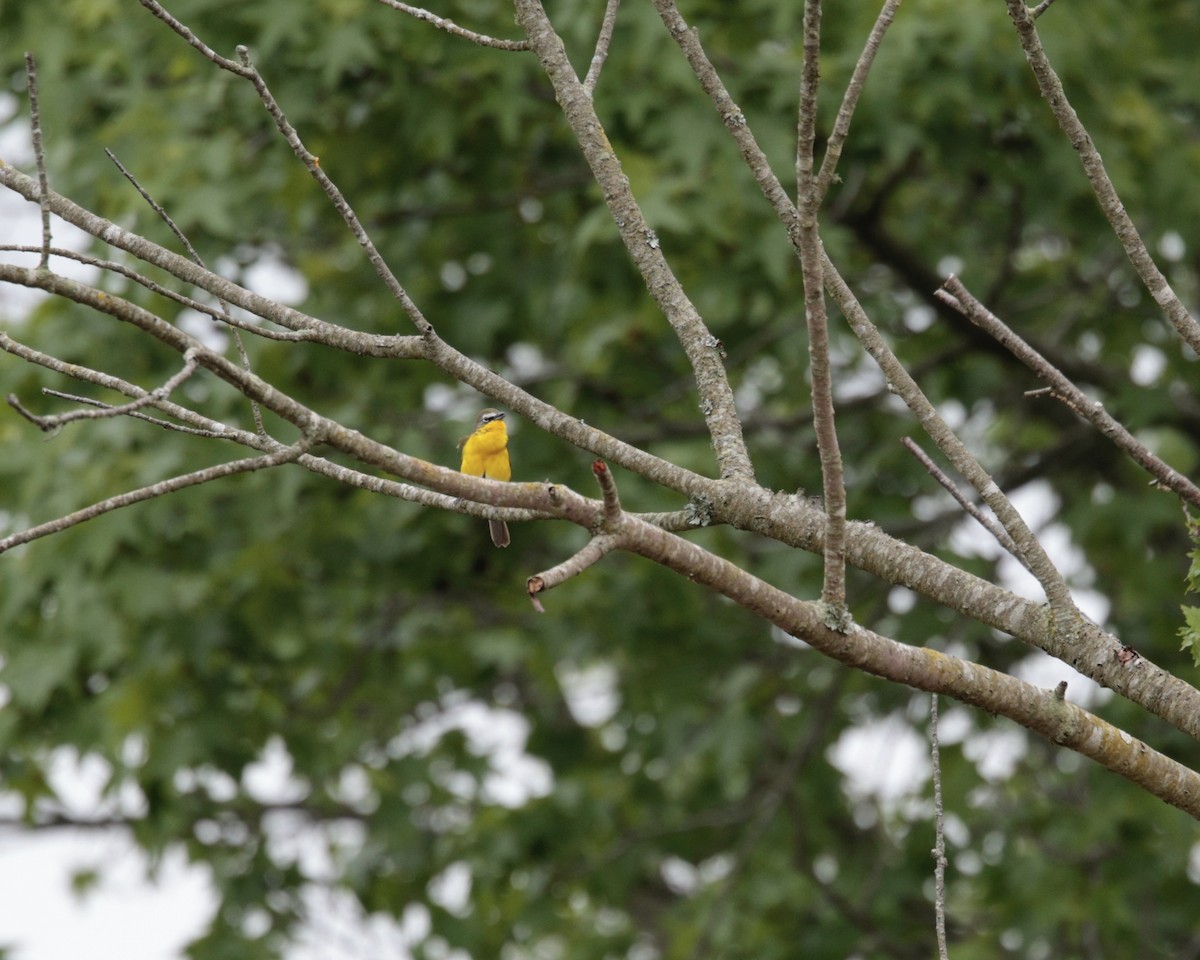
point(786, 518)
point(1041, 711)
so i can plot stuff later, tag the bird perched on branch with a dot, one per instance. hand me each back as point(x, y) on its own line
point(485, 454)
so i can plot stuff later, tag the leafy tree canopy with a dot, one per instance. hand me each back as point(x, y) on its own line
point(701, 813)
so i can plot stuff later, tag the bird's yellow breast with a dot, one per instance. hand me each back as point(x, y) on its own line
point(485, 452)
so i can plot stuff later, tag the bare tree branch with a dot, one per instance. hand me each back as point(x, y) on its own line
point(1041, 8)
point(247, 71)
point(1093, 166)
point(808, 243)
point(923, 668)
point(451, 27)
point(731, 115)
point(603, 41)
point(199, 261)
point(592, 552)
point(429, 346)
point(858, 80)
point(789, 519)
point(302, 335)
point(199, 425)
point(158, 209)
point(163, 487)
point(975, 513)
point(39, 154)
point(939, 828)
point(701, 347)
point(129, 412)
point(956, 295)
point(56, 421)
point(898, 378)
point(183, 269)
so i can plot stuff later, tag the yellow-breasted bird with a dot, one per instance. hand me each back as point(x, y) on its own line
point(485, 454)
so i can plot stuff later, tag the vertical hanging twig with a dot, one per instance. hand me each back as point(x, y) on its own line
point(939, 826)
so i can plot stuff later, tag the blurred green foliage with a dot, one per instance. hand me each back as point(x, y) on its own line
point(704, 816)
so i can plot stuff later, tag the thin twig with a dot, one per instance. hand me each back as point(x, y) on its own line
point(599, 546)
point(157, 421)
point(451, 27)
point(199, 423)
point(159, 489)
point(808, 242)
point(292, 336)
point(35, 123)
point(939, 826)
point(988, 523)
point(1093, 166)
point(1040, 9)
point(15, 402)
point(602, 44)
point(244, 68)
point(591, 553)
point(158, 209)
point(858, 79)
point(55, 422)
point(955, 294)
point(309, 327)
point(608, 489)
point(204, 426)
point(166, 218)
